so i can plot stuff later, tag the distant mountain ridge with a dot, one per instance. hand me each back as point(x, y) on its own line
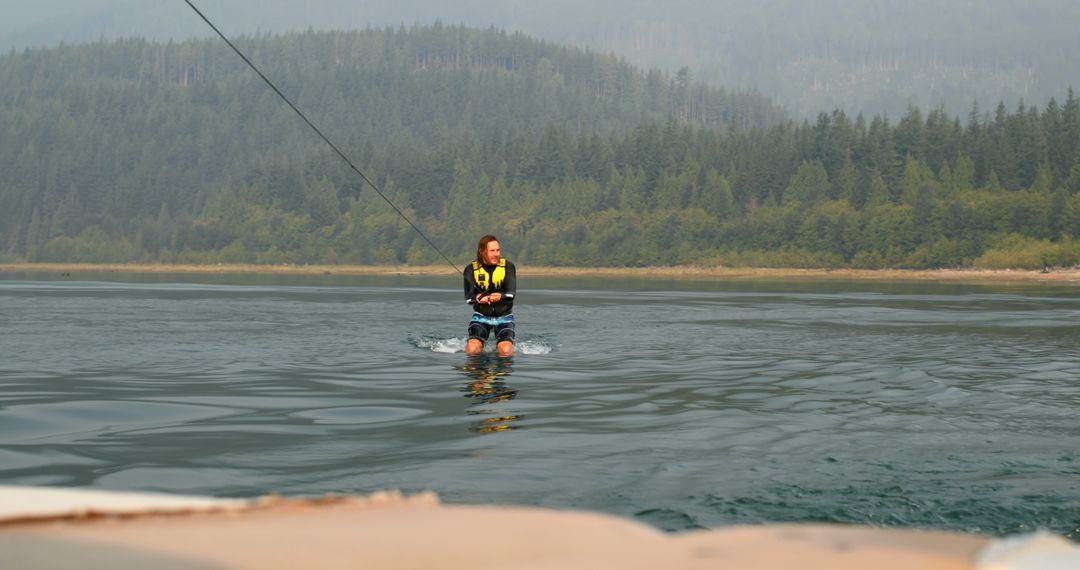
point(873, 56)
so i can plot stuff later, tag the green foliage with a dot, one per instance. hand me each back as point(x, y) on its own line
point(135, 151)
point(942, 253)
point(1015, 251)
point(809, 185)
point(92, 245)
point(789, 257)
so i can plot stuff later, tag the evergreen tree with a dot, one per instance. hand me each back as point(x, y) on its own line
point(35, 235)
point(877, 189)
point(910, 134)
point(809, 185)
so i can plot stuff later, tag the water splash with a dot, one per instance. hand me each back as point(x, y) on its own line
point(444, 345)
point(534, 347)
point(457, 344)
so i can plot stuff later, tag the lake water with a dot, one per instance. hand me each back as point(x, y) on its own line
point(679, 404)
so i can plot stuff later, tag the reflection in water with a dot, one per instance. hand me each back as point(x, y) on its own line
point(487, 386)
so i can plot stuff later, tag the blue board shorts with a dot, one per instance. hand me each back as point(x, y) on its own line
point(481, 326)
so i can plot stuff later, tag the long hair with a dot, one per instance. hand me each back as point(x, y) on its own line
point(482, 246)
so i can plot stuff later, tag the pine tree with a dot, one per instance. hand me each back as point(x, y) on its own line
point(877, 192)
point(35, 236)
point(910, 134)
point(847, 184)
point(809, 185)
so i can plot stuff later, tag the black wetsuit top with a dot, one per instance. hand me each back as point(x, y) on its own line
point(508, 287)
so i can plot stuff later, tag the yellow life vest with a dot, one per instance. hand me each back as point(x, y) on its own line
point(487, 282)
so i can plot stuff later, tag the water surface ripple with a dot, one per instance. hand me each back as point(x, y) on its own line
point(682, 404)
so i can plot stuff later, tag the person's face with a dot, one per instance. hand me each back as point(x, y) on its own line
point(492, 253)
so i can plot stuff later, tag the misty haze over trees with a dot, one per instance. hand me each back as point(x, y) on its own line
point(140, 151)
point(870, 56)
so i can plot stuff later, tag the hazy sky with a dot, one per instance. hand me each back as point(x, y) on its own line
point(73, 21)
point(978, 49)
point(51, 21)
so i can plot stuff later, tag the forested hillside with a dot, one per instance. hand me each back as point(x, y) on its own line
point(874, 56)
point(139, 151)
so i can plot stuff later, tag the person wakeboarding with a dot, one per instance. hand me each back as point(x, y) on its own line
point(490, 285)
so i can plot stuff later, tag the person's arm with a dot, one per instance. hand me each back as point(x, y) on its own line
point(470, 287)
point(510, 287)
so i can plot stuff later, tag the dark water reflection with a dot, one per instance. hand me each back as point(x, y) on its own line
point(683, 404)
point(487, 385)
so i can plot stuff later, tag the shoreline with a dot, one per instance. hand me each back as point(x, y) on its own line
point(1061, 276)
